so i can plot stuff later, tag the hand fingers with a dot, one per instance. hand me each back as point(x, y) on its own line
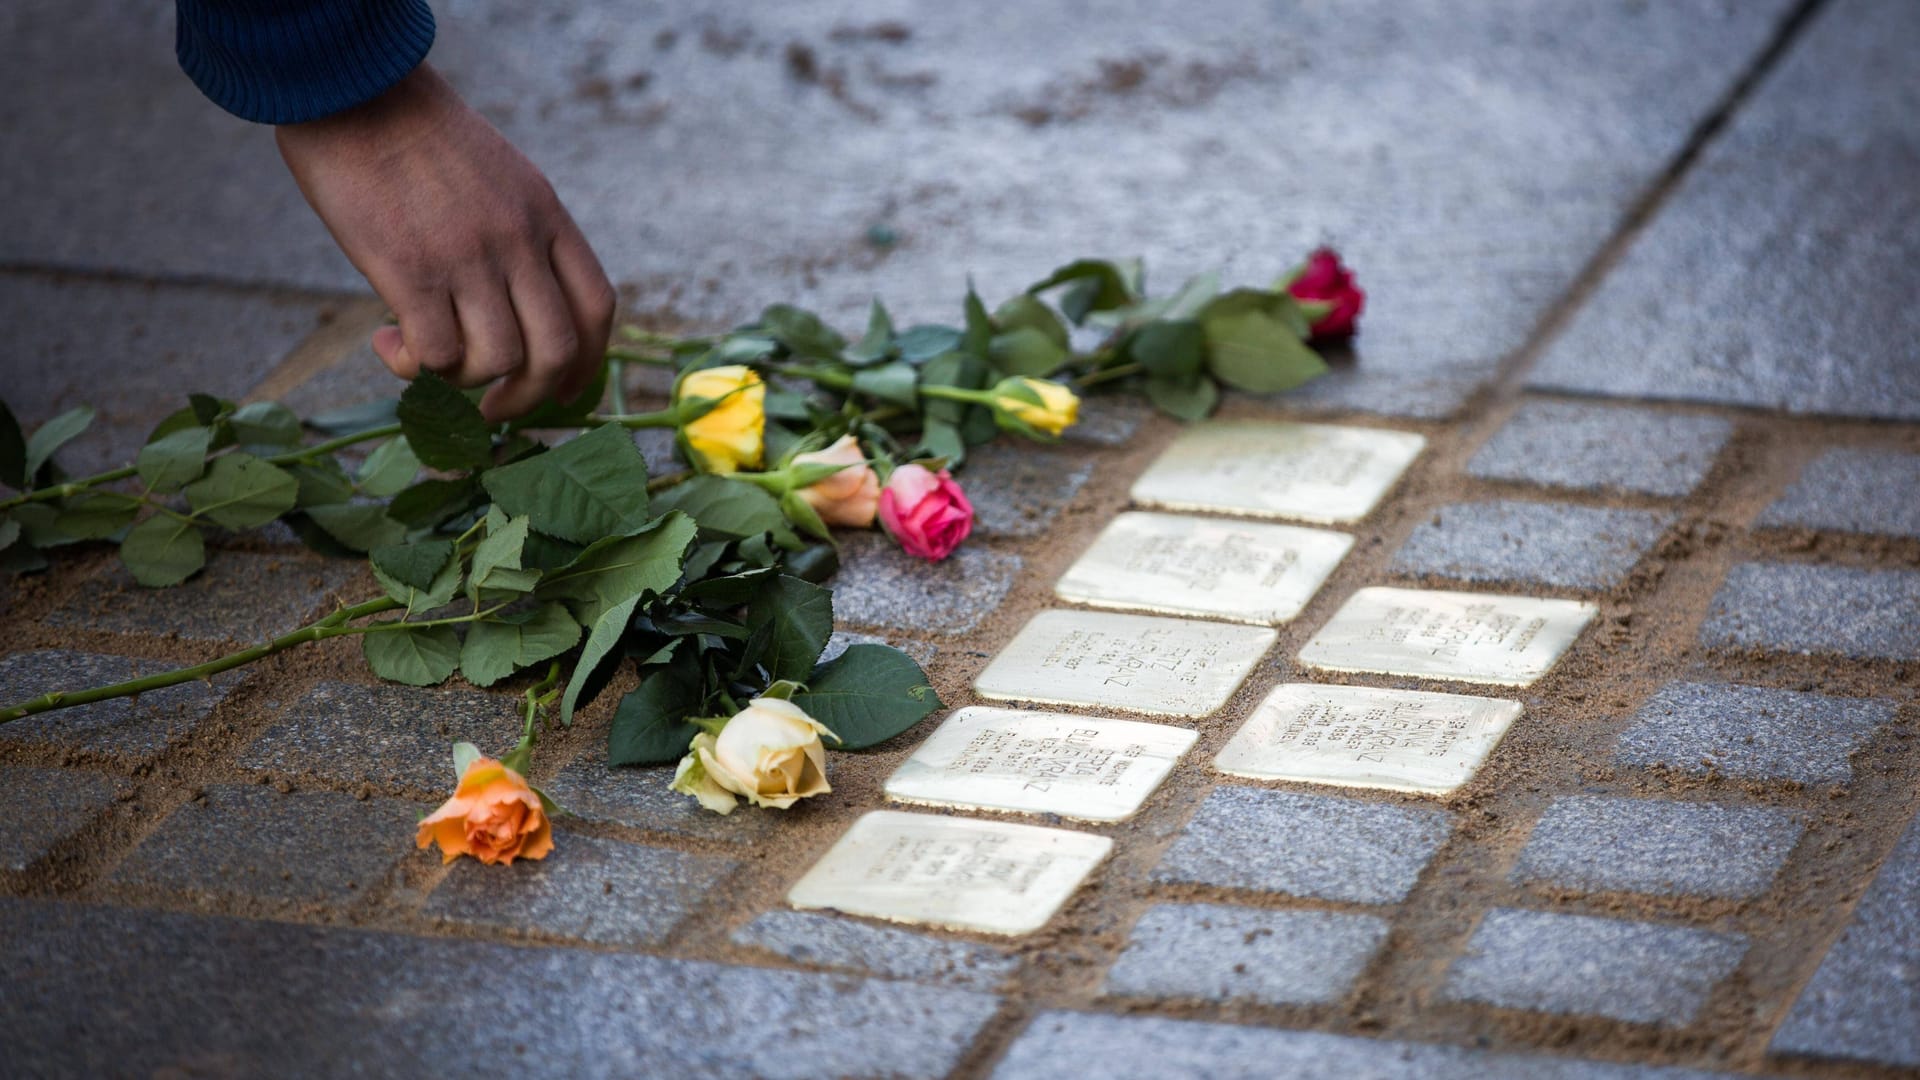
point(489, 331)
point(428, 337)
point(590, 298)
point(551, 343)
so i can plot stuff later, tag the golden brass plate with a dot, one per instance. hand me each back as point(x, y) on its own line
point(1470, 637)
point(1310, 472)
point(1140, 663)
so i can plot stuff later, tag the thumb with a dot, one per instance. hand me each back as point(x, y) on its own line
point(390, 347)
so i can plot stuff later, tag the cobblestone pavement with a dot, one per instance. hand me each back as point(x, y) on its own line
point(1641, 274)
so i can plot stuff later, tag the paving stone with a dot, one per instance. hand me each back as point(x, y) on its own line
point(602, 891)
point(1218, 953)
point(1864, 1001)
point(129, 727)
point(253, 842)
point(1756, 284)
point(881, 586)
point(1806, 608)
point(43, 807)
point(1578, 964)
point(1540, 543)
point(96, 991)
point(1750, 732)
point(1018, 491)
point(639, 796)
point(1658, 846)
point(1365, 388)
point(1322, 846)
point(240, 596)
point(1059, 1043)
point(1107, 420)
point(842, 640)
point(1856, 491)
point(832, 941)
point(395, 736)
point(1586, 447)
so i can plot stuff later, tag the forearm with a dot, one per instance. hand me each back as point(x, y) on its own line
point(290, 61)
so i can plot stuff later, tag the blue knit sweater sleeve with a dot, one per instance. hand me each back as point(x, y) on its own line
point(286, 61)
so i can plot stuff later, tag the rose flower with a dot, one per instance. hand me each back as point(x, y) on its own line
point(1057, 409)
point(493, 816)
point(849, 497)
point(768, 753)
point(1325, 280)
point(731, 435)
point(926, 512)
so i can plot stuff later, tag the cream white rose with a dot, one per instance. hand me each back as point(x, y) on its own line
point(768, 753)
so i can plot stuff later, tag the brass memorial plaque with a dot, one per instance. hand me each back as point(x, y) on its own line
point(1471, 637)
point(1246, 571)
point(1358, 736)
point(960, 873)
point(1311, 472)
point(1140, 663)
point(1085, 767)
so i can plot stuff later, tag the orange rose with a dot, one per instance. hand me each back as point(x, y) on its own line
point(493, 816)
point(848, 497)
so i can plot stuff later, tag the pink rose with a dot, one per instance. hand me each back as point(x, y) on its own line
point(925, 511)
point(1326, 281)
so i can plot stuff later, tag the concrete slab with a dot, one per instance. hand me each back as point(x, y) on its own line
point(1538, 543)
point(1812, 609)
point(1854, 491)
point(1658, 846)
point(1214, 952)
point(1750, 732)
point(1585, 447)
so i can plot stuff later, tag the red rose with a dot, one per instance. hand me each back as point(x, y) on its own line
point(925, 511)
point(1326, 281)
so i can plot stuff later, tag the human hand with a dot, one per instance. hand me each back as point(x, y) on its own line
point(463, 238)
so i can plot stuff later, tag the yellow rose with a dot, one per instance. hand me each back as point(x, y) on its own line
point(493, 816)
point(1057, 410)
point(731, 435)
point(768, 753)
point(849, 497)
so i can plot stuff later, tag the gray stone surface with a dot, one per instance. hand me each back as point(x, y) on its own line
point(1782, 271)
point(1365, 387)
point(600, 891)
point(639, 796)
point(1218, 953)
point(1750, 732)
point(842, 640)
point(881, 586)
point(394, 736)
point(252, 842)
point(1323, 846)
point(129, 727)
point(1864, 1001)
point(1538, 543)
point(1107, 420)
point(1059, 1043)
point(1856, 491)
point(1809, 609)
point(241, 596)
point(1578, 964)
point(1017, 490)
point(95, 991)
point(1658, 846)
point(805, 937)
point(43, 807)
point(1586, 447)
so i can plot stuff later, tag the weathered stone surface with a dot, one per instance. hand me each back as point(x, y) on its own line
point(601, 891)
point(1322, 846)
point(1805, 608)
point(881, 586)
point(842, 640)
point(1658, 846)
point(1059, 1043)
point(1750, 732)
point(1729, 294)
point(1586, 447)
point(1216, 953)
point(95, 990)
point(833, 941)
point(1540, 543)
point(1864, 1001)
point(1857, 491)
point(240, 596)
point(124, 726)
point(43, 807)
point(1577, 964)
point(1107, 420)
point(640, 796)
point(252, 842)
point(1018, 490)
point(395, 736)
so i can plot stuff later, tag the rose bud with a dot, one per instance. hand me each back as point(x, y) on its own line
point(1325, 281)
point(849, 497)
point(768, 753)
point(731, 435)
point(1057, 409)
point(926, 512)
point(493, 816)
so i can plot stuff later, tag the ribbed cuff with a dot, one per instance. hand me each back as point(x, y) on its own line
point(289, 61)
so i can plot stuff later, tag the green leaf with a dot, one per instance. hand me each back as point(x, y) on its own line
point(416, 656)
point(1028, 312)
point(435, 593)
point(388, 470)
point(96, 515)
point(889, 382)
point(496, 560)
point(1098, 285)
point(13, 451)
point(920, 344)
point(878, 341)
point(650, 726)
point(1254, 351)
point(322, 482)
point(241, 491)
point(54, 434)
point(1185, 399)
point(360, 526)
point(464, 755)
point(496, 648)
point(163, 550)
point(1172, 350)
point(445, 429)
point(9, 530)
point(266, 423)
point(1026, 351)
point(802, 332)
point(979, 334)
point(723, 507)
point(592, 487)
point(431, 503)
point(867, 695)
point(618, 568)
point(414, 565)
point(941, 439)
point(175, 459)
point(801, 617)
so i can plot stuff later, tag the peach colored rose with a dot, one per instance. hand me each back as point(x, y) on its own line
point(493, 816)
point(926, 512)
point(849, 497)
